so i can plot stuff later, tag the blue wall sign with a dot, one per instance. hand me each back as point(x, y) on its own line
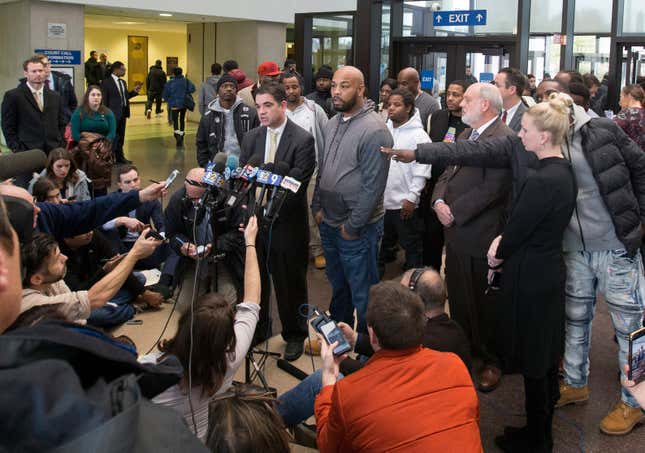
point(486, 77)
point(459, 18)
point(61, 57)
point(427, 79)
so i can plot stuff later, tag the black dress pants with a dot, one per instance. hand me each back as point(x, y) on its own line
point(470, 306)
point(117, 144)
point(288, 267)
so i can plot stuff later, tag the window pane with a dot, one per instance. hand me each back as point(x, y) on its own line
point(384, 69)
point(544, 57)
point(634, 16)
point(592, 16)
point(546, 16)
point(418, 19)
point(332, 41)
point(591, 54)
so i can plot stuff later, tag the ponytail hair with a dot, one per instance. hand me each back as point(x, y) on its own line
point(553, 116)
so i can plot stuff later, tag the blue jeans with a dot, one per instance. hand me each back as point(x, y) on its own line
point(351, 269)
point(297, 405)
point(619, 278)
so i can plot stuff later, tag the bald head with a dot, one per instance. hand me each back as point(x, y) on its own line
point(196, 175)
point(347, 89)
point(409, 78)
point(9, 190)
point(429, 287)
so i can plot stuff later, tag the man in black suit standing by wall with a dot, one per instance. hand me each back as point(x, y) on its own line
point(31, 114)
point(277, 140)
point(117, 98)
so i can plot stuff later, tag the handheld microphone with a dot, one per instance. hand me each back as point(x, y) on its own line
point(281, 170)
point(263, 178)
point(232, 162)
point(22, 162)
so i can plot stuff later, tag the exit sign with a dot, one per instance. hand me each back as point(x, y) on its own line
point(464, 18)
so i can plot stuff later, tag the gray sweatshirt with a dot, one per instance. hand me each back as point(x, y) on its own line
point(352, 171)
point(591, 214)
point(207, 93)
point(231, 145)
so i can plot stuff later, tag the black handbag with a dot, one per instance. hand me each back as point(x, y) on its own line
point(189, 102)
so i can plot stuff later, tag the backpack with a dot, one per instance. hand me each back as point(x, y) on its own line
point(93, 155)
point(71, 388)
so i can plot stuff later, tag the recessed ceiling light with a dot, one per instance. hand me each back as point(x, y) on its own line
point(165, 14)
point(127, 22)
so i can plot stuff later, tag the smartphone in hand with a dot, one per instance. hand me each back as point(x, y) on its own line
point(636, 357)
point(330, 331)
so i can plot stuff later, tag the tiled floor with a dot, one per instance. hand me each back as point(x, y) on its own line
point(150, 145)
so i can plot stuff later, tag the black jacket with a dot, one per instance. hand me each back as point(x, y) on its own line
point(156, 80)
point(25, 126)
point(618, 165)
point(63, 86)
point(112, 98)
point(211, 133)
point(93, 72)
point(296, 148)
point(84, 267)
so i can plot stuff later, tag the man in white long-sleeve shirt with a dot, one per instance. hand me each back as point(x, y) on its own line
point(405, 182)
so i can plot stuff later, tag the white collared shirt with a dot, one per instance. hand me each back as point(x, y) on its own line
point(484, 126)
point(36, 92)
point(119, 87)
point(267, 143)
point(510, 113)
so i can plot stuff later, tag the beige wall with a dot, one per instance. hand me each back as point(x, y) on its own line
point(251, 43)
point(114, 43)
point(23, 28)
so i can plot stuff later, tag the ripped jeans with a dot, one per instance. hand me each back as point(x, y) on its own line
point(619, 278)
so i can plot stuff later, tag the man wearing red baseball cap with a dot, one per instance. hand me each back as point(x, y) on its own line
point(268, 71)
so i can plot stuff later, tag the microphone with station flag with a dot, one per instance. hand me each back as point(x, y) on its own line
point(23, 162)
point(264, 178)
point(215, 185)
point(288, 184)
point(245, 182)
point(232, 162)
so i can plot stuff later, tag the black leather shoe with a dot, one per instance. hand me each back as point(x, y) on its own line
point(293, 350)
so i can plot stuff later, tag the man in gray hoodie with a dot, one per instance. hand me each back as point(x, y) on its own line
point(312, 118)
point(208, 89)
point(348, 198)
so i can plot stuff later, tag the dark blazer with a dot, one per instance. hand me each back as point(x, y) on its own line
point(516, 122)
point(63, 86)
point(112, 98)
point(296, 148)
point(23, 124)
point(477, 198)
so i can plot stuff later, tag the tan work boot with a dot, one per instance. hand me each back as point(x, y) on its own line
point(315, 347)
point(319, 262)
point(572, 395)
point(622, 419)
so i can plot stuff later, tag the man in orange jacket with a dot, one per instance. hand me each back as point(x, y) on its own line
point(406, 398)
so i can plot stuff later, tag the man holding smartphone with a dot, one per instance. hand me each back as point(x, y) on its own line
point(122, 232)
point(404, 377)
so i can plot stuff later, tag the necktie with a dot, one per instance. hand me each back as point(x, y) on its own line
point(47, 83)
point(504, 115)
point(124, 101)
point(474, 136)
point(39, 99)
point(273, 145)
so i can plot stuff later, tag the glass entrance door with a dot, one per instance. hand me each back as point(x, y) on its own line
point(439, 63)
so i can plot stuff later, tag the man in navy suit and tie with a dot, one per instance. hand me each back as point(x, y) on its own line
point(31, 114)
point(116, 97)
point(279, 139)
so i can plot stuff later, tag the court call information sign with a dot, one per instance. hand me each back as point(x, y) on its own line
point(466, 18)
